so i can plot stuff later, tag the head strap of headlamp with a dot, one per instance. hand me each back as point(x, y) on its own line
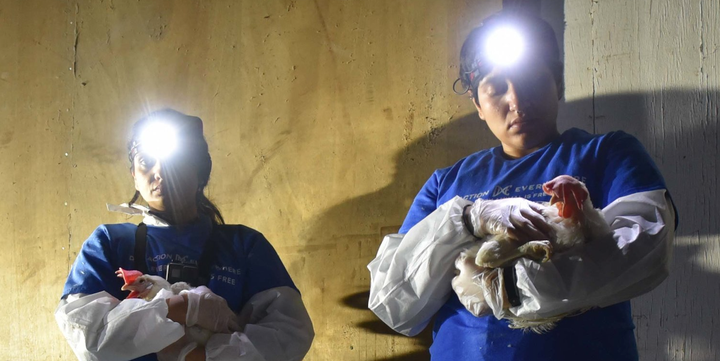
point(472, 75)
point(134, 149)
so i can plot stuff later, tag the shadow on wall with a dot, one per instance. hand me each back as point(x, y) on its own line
point(353, 231)
point(679, 129)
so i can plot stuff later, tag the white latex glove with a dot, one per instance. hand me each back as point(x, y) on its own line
point(209, 311)
point(467, 283)
point(178, 350)
point(516, 218)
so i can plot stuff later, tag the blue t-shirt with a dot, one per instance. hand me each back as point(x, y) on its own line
point(611, 166)
point(245, 262)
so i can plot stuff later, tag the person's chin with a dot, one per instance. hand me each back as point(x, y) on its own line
point(522, 137)
point(157, 205)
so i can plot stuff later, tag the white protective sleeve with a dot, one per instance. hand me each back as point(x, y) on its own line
point(410, 276)
point(100, 327)
point(631, 261)
point(278, 328)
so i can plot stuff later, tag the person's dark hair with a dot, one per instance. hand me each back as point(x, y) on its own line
point(539, 35)
point(190, 130)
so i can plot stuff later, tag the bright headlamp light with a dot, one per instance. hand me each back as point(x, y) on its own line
point(507, 40)
point(504, 46)
point(158, 139)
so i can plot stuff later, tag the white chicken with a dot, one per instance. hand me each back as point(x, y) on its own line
point(573, 221)
point(146, 287)
point(571, 216)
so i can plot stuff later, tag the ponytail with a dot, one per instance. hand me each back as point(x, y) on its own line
point(134, 198)
point(208, 208)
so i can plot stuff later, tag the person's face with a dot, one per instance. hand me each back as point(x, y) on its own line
point(166, 186)
point(520, 107)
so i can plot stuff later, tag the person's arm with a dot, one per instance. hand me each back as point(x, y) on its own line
point(96, 324)
point(177, 308)
point(274, 322)
point(277, 327)
point(631, 261)
point(100, 327)
point(411, 274)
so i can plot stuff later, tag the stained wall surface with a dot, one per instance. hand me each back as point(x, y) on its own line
point(651, 69)
point(324, 118)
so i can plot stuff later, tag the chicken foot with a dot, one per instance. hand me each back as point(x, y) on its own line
point(498, 252)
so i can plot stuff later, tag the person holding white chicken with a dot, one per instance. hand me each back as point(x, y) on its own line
point(237, 293)
point(436, 267)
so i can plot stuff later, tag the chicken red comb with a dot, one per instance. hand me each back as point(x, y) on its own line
point(129, 276)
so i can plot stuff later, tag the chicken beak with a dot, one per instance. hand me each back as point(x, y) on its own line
point(134, 294)
point(129, 276)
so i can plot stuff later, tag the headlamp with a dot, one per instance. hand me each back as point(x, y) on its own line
point(507, 39)
point(158, 139)
point(504, 46)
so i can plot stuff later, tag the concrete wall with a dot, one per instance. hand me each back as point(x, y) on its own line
point(324, 118)
point(651, 69)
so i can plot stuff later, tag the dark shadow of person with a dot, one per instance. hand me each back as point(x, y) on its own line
point(345, 238)
point(679, 130)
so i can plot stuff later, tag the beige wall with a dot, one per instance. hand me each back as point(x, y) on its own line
point(324, 118)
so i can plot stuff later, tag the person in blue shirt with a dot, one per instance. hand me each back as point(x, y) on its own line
point(510, 68)
point(243, 292)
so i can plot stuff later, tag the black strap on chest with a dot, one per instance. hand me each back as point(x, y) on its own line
point(204, 266)
point(140, 248)
point(206, 260)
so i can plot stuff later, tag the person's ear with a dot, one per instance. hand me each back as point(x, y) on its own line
point(477, 106)
point(132, 173)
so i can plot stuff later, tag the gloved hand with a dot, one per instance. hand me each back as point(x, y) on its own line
point(209, 311)
point(517, 218)
point(178, 350)
point(467, 283)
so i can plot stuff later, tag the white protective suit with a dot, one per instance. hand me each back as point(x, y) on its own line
point(412, 273)
point(101, 327)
